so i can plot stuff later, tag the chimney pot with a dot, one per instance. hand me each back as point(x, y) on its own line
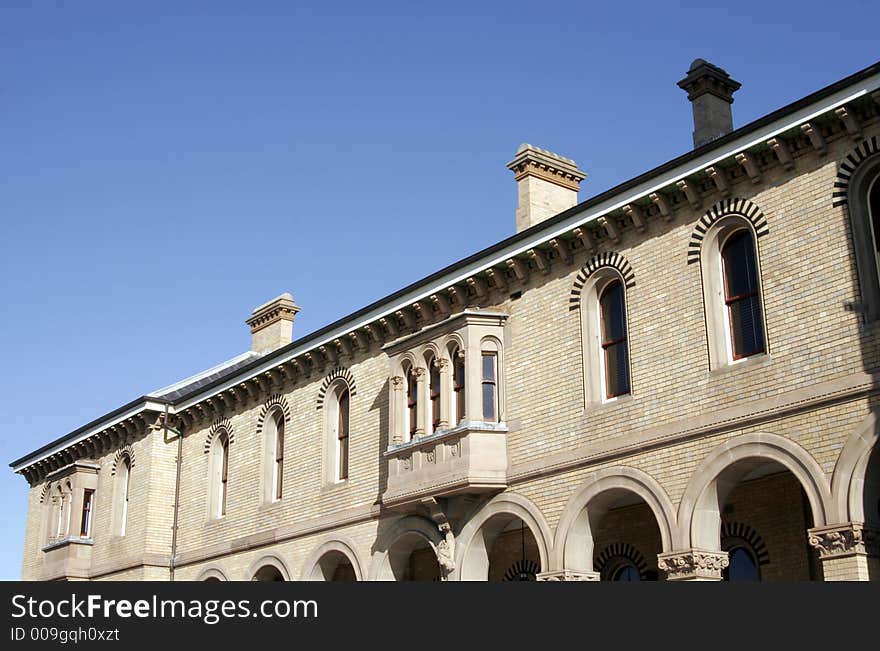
point(710, 90)
point(272, 324)
point(547, 184)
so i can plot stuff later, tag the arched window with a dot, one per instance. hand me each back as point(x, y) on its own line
point(742, 299)
point(863, 203)
point(337, 425)
point(615, 350)
point(742, 565)
point(626, 572)
point(490, 380)
point(62, 508)
point(342, 435)
point(458, 396)
point(273, 459)
point(121, 494)
point(218, 483)
point(412, 403)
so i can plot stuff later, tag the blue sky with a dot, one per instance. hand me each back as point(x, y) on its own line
point(165, 167)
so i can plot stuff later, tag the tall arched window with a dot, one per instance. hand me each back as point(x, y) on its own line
point(121, 494)
point(218, 483)
point(615, 350)
point(742, 298)
point(863, 203)
point(342, 435)
point(874, 217)
point(434, 387)
point(458, 396)
point(273, 455)
point(62, 508)
point(278, 466)
point(742, 566)
point(412, 403)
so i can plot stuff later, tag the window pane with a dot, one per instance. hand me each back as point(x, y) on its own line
point(613, 313)
point(740, 277)
point(343, 458)
point(489, 402)
point(489, 367)
point(874, 208)
point(747, 332)
point(616, 370)
point(742, 566)
point(626, 573)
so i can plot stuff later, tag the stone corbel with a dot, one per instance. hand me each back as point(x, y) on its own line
point(390, 324)
point(750, 165)
point(537, 255)
point(567, 575)
point(478, 285)
point(850, 121)
point(376, 333)
point(635, 216)
point(690, 193)
point(720, 179)
point(693, 564)
point(842, 540)
point(815, 136)
point(442, 304)
point(406, 316)
point(610, 230)
point(583, 234)
point(662, 204)
point(520, 270)
point(344, 344)
point(781, 149)
point(498, 279)
point(562, 248)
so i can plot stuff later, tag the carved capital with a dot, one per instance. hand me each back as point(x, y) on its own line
point(841, 540)
point(567, 575)
point(691, 564)
point(397, 383)
point(418, 373)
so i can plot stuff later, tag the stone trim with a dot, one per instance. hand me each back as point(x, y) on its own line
point(868, 147)
point(275, 400)
point(755, 412)
point(843, 540)
point(567, 575)
point(742, 207)
point(219, 425)
point(606, 259)
point(122, 452)
point(338, 373)
point(693, 564)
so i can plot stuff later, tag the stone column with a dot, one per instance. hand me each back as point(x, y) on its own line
point(445, 391)
point(397, 400)
point(567, 575)
point(693, 565)
point(848, 551)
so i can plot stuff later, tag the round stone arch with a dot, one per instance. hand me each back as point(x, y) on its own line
point(272, 560)
point(699, 518)
point(848, 480)
point(313, 569)
point(573, 545)
point(212, 573)
point(394, 545)
point(474, 543)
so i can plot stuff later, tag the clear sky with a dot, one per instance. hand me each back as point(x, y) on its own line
point(167, 166)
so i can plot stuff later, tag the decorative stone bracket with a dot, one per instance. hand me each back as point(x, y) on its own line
point(567, 575)
point(842, 540)
point(693, 565)
point(446, 547)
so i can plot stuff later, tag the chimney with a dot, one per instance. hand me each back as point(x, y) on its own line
point(272, 324)
point(710, 90)
point(547, 184)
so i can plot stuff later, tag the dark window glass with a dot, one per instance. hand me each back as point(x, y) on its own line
point(741, 295)
point(612, 312)
point(224, 473)
point(626, 572)
point(874, 208)
point(458, 385)
point(435, 395)
point(742, 567)
point(279, 454)
point(86, 525)
point(412, 402)
point(343, 434)
point(490, 389)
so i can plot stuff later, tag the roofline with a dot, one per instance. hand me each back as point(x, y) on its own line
point(847, 89)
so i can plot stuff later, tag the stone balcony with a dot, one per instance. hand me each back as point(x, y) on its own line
point(470, 458)
point(67, 558)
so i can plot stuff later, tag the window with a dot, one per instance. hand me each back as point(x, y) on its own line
point(742, 566)
point(272, 467)
point(435, 395)
point(863, 199)
point(62, 507)
point(278, 467)
point(218, 475)
point(612, 326)
point(458, 386)
point(490, 386)
point(626, 572)
point(342, 436)
point(85, 527)
point(121, 494)
point(741, 295)
point(412, 402)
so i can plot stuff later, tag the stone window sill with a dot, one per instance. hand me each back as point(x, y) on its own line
point(69, 540)
point(440, 435)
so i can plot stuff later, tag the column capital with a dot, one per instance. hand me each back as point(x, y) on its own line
point(693, 564)
point(567, 575)
point(845, 539)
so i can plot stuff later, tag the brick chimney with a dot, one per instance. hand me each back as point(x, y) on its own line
point(272, 324)
point(710, 90)
point(547, 184)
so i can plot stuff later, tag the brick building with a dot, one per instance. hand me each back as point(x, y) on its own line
point(675, 379)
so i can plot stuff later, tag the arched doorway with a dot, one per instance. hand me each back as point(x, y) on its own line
point(268, 573)
point(406, 551)
point(334, 560)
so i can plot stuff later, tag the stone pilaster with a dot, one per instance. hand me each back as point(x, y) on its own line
point(445, 391)
point(567, 575)
point(693, 565)
point(848, 551)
